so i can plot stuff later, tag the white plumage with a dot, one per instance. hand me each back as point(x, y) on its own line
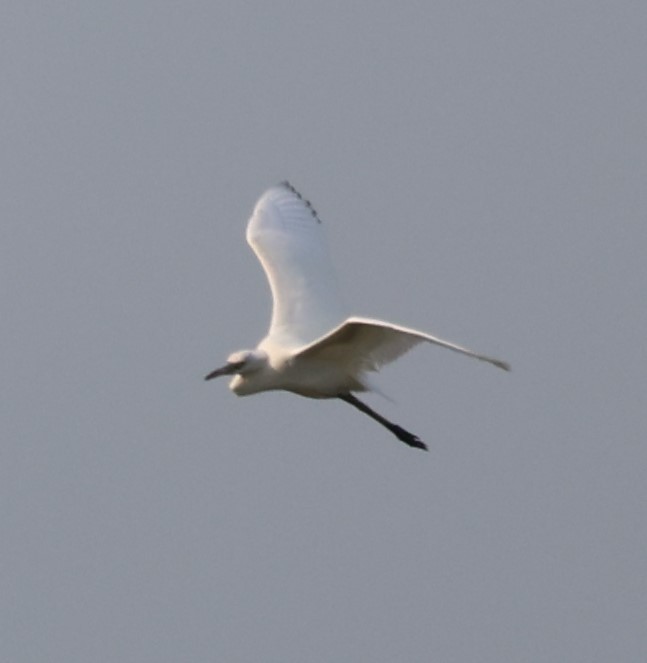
point(312, 347)
point(287, 236)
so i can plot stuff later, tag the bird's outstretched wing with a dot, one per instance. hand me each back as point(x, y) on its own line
point(362, 344)
point(287, 236)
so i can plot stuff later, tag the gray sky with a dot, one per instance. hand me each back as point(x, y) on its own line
point(481, 169)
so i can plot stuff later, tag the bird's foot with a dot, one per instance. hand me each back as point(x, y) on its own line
point(408, 438)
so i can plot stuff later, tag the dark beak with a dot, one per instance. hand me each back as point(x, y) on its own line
point(227, 369)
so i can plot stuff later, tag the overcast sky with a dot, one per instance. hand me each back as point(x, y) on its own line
point(481, 171)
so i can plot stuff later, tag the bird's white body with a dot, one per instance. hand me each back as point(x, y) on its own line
point(313, 348)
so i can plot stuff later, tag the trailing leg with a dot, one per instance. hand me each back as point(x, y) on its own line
point(402, 434)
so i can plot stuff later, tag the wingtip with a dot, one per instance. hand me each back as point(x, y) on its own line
point(502, 364)
point(285, 184)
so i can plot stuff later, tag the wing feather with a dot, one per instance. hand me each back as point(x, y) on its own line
point(287, 237)
point(363, 344)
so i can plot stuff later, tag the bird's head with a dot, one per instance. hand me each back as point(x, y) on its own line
point(241, 365)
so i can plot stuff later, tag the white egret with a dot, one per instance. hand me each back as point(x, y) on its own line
point(312, 348)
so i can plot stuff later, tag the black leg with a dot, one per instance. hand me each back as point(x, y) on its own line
point(403, 435)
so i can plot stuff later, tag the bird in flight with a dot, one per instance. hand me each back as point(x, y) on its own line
point(313, 348)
